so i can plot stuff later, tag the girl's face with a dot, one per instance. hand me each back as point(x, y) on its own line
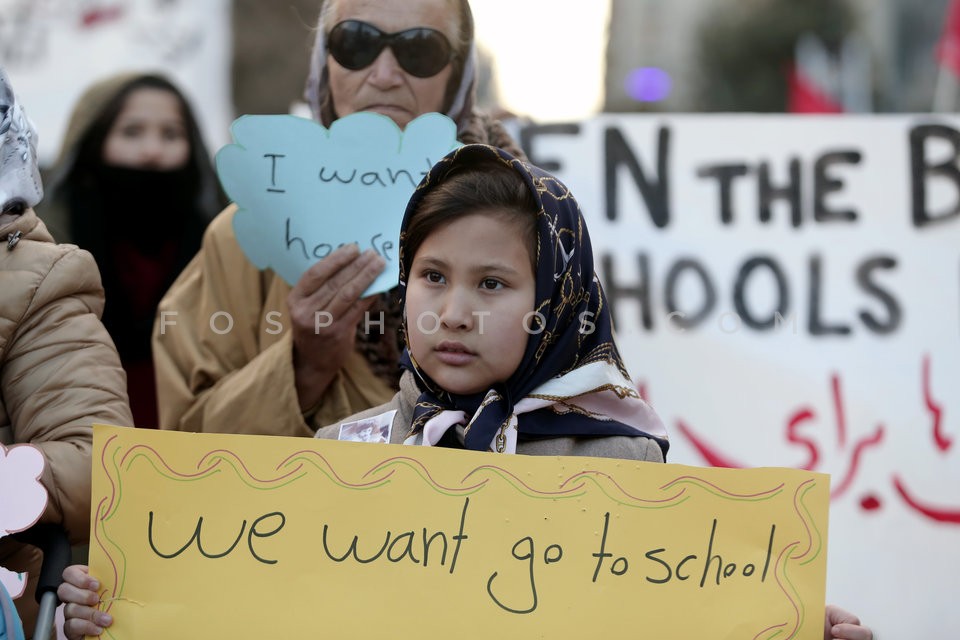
point(471, 287)
point(149, 133)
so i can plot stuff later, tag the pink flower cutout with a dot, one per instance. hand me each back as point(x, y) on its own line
point(23, 497)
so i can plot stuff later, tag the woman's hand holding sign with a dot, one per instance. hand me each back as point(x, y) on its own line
point(325, 307)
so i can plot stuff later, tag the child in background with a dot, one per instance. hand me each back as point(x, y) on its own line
point(134, 185)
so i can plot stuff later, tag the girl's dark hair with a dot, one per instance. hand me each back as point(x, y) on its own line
point(487, 187)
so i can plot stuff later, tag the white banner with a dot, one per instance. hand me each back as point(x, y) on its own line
point(54, 49)
point(787, 293)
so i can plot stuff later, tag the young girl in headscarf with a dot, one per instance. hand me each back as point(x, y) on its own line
point(510, 346)
point(509, 338)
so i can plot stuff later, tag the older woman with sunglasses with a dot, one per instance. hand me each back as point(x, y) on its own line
point(400, 58)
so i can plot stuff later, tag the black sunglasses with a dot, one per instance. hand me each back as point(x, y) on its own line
point(421, 52)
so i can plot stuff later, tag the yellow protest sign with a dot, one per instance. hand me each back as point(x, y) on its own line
point(237, 536)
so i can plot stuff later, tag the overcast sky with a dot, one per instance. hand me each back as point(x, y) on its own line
point(548, 54)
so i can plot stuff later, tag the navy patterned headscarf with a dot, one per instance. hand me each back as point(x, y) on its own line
point(571, 380)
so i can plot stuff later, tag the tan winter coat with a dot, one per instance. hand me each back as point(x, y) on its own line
point(59, 373)
point(240, 381)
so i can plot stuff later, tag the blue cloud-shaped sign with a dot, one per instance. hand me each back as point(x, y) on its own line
point(303, 190)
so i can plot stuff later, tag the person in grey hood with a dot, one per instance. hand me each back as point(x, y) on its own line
point(59, 369)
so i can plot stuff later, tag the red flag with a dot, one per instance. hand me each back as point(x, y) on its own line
point(948, 49)
point(804, 96)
